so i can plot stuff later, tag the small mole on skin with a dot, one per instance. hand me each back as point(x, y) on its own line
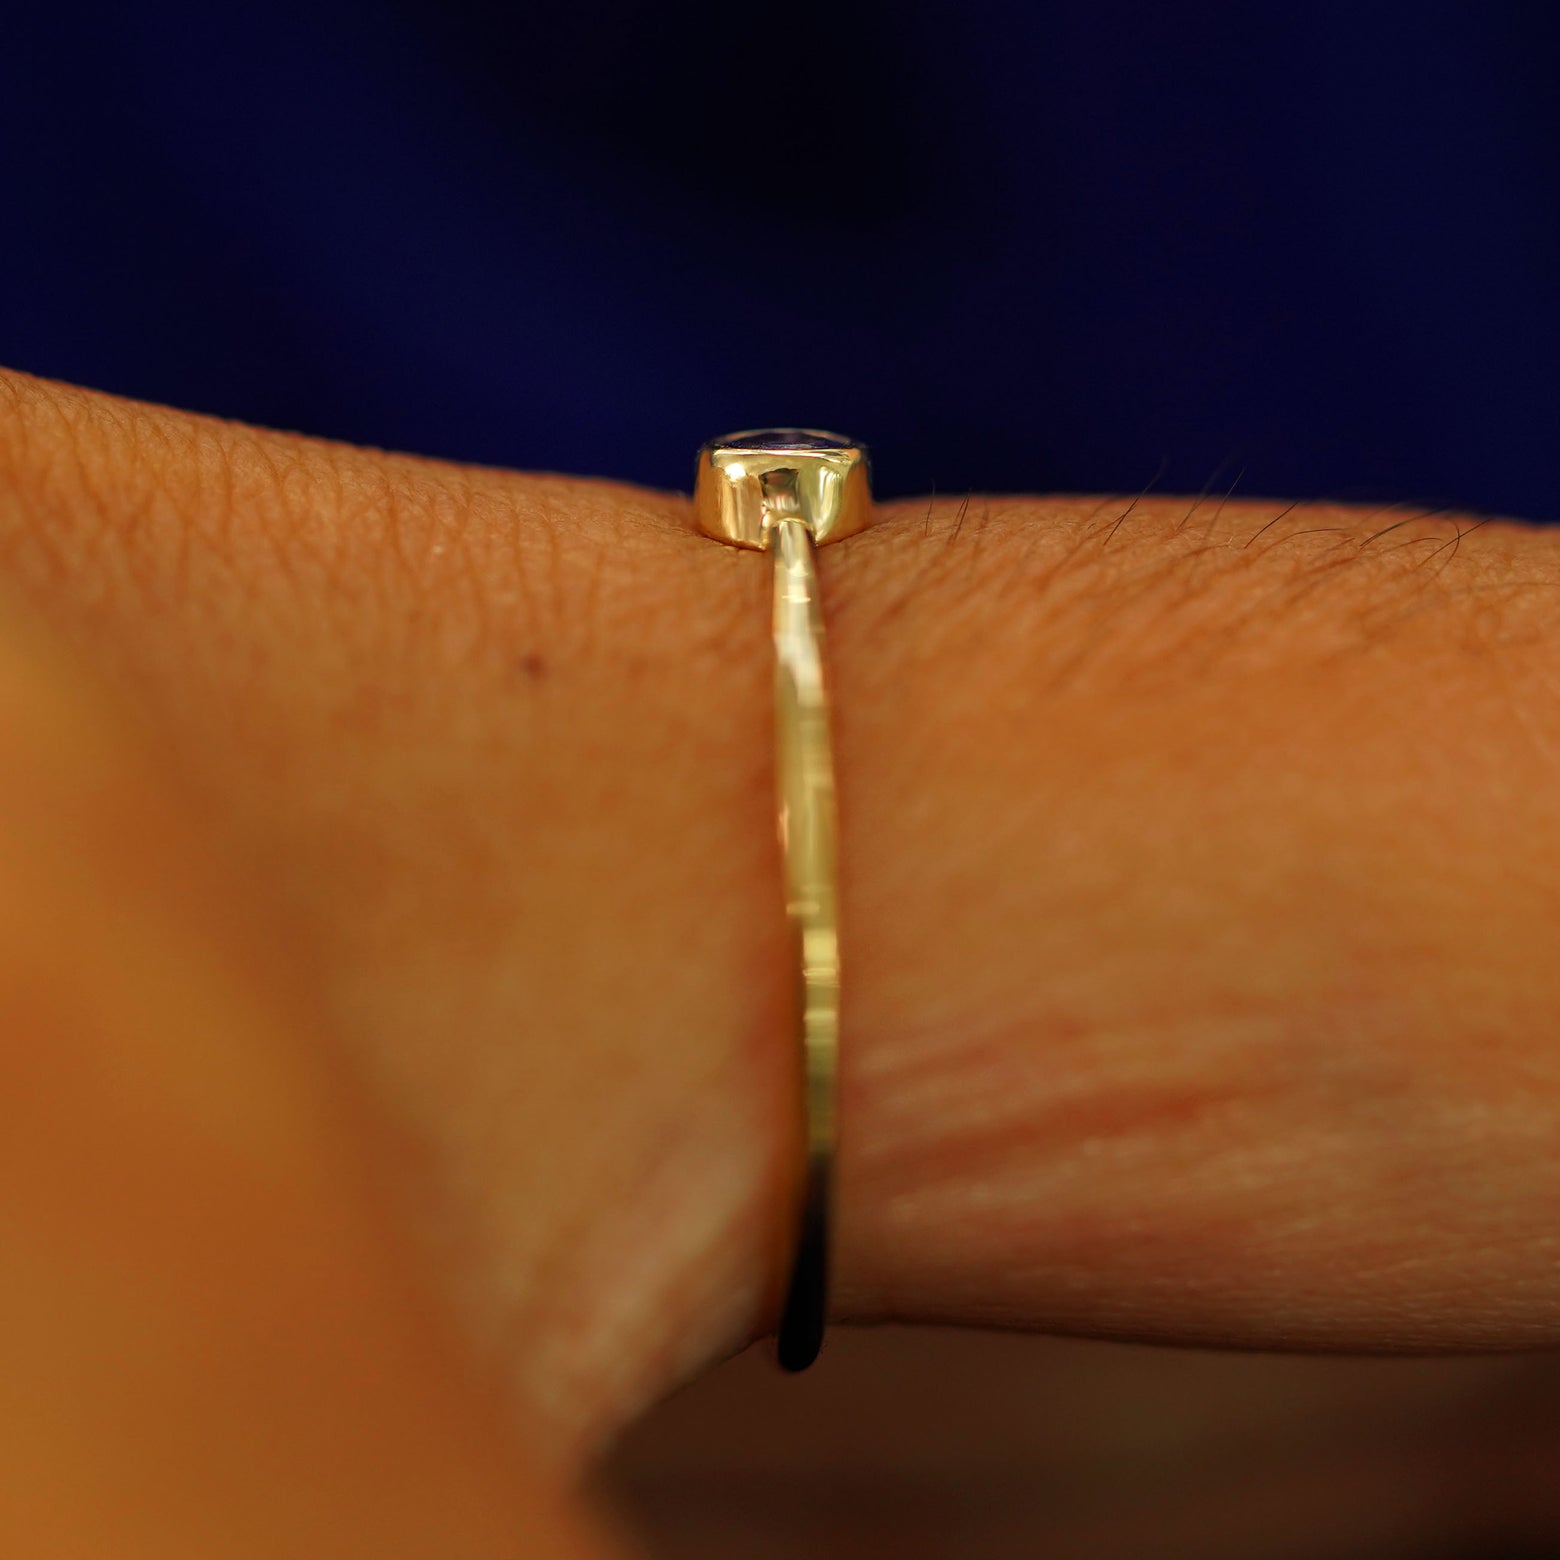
point(533, 665)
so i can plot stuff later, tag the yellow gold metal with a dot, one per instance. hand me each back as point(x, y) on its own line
point(787, 490)
point(731, 497)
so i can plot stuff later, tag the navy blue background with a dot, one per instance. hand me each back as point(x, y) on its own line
point(1307, 249)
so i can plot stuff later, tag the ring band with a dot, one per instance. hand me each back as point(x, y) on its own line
point(787, 491)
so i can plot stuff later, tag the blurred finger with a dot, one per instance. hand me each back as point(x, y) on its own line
point(212, 1338)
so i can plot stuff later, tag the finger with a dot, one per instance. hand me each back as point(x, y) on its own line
point(1110, 1453)
point(211, 1341)
point(1212, 882)
point(1197, 867)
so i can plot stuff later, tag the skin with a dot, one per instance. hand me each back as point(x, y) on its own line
point(387, 875)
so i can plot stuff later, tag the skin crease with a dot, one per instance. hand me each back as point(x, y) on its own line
point(1198, 888)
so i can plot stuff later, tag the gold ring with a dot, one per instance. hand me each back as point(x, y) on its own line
point(787, 491)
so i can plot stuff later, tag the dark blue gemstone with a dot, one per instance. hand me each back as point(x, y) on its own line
point(784, 439)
